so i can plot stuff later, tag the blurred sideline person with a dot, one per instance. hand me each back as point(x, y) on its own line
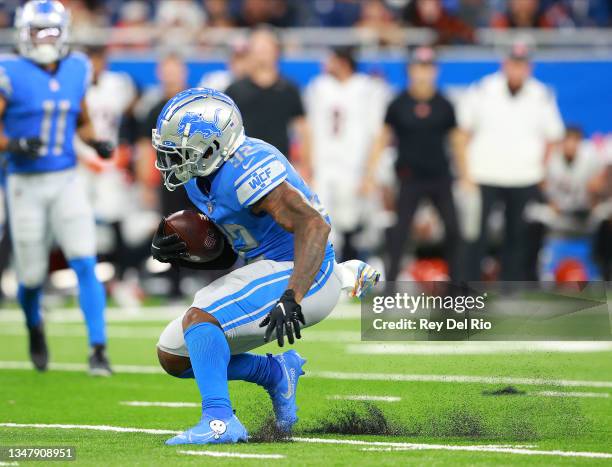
point(572, 217)
point(110, 97)
point(421, 120)
point(43, 108)
point(270, 104)
point(237, 68)
point(509, 121)
point(345, 113)
point(172, 74)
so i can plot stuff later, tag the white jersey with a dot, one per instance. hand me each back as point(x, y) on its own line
point(345, 118)
point(107, 100)
point(567, 184)
point(509, 133)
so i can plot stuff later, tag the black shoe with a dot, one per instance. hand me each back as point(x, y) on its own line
point(98, 362)
point(38, 347)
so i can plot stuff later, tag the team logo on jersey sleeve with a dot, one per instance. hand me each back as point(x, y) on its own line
point(193, 123)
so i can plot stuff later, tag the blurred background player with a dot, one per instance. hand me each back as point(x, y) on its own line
point(421, 120)
point(43, 108)
point(509, 121)
point(265, 88)
point(345, 111)
point(573, 210)
point(110, 99)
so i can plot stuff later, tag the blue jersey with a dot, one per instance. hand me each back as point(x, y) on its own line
point(44, 105)
point(227, 196)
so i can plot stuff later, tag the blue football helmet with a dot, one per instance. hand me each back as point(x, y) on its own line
point(42, 31)
point(197, 131)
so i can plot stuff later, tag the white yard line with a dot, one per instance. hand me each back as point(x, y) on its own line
point(476, 348)
point(153, 332)
point(78, 367)
point(154, 313)
point(364, 397)
point(520, 451)
point(117, 429)
point(240, 455)
point(349, 442)
point(173, 405)
point(457, 379)
point(398, 377)
point(450, 447)
point(74, 315)
point(602, 395)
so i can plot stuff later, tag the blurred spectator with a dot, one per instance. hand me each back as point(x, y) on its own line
point(218, 14)
point(509, 121)
point(237, 68)
point(431, 14)
point(132, 14)
point(179, 21)
point(376, 17)
point(172, 74)
point(579, 13)
point(521, 14)
point(275, 12)
point(474, 12)
point(337, 13)
point(85, 14)
point(420, 119)
point(345, 113)
point(271, 104)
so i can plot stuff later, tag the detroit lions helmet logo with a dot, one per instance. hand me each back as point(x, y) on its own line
point(193, 123)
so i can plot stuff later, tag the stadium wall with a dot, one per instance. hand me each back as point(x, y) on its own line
point(583, 87)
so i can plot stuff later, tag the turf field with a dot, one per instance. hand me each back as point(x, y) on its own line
point(361, 403)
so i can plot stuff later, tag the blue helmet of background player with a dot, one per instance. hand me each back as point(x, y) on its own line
point(42, 31)
point(197, 131)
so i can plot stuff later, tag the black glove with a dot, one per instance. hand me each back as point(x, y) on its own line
point(167, 248)
point(287, 315)
point(103, 148)
point(28, 147)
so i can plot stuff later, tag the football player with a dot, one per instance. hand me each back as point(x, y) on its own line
point(42, 109)
point(276, 224)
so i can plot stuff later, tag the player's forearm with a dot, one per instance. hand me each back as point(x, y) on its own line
point(310, 240)
point(459, 143)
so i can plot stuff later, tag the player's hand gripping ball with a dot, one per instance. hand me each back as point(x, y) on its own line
point(187, 235)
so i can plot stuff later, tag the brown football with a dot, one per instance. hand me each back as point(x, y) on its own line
point(204, 240)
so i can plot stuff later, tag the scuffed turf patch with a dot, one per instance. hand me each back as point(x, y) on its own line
point(505, 391)
point(269, 433)
point(362, 418)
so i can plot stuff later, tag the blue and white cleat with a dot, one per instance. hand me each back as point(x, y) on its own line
point(211, 430)
point(283, 392)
